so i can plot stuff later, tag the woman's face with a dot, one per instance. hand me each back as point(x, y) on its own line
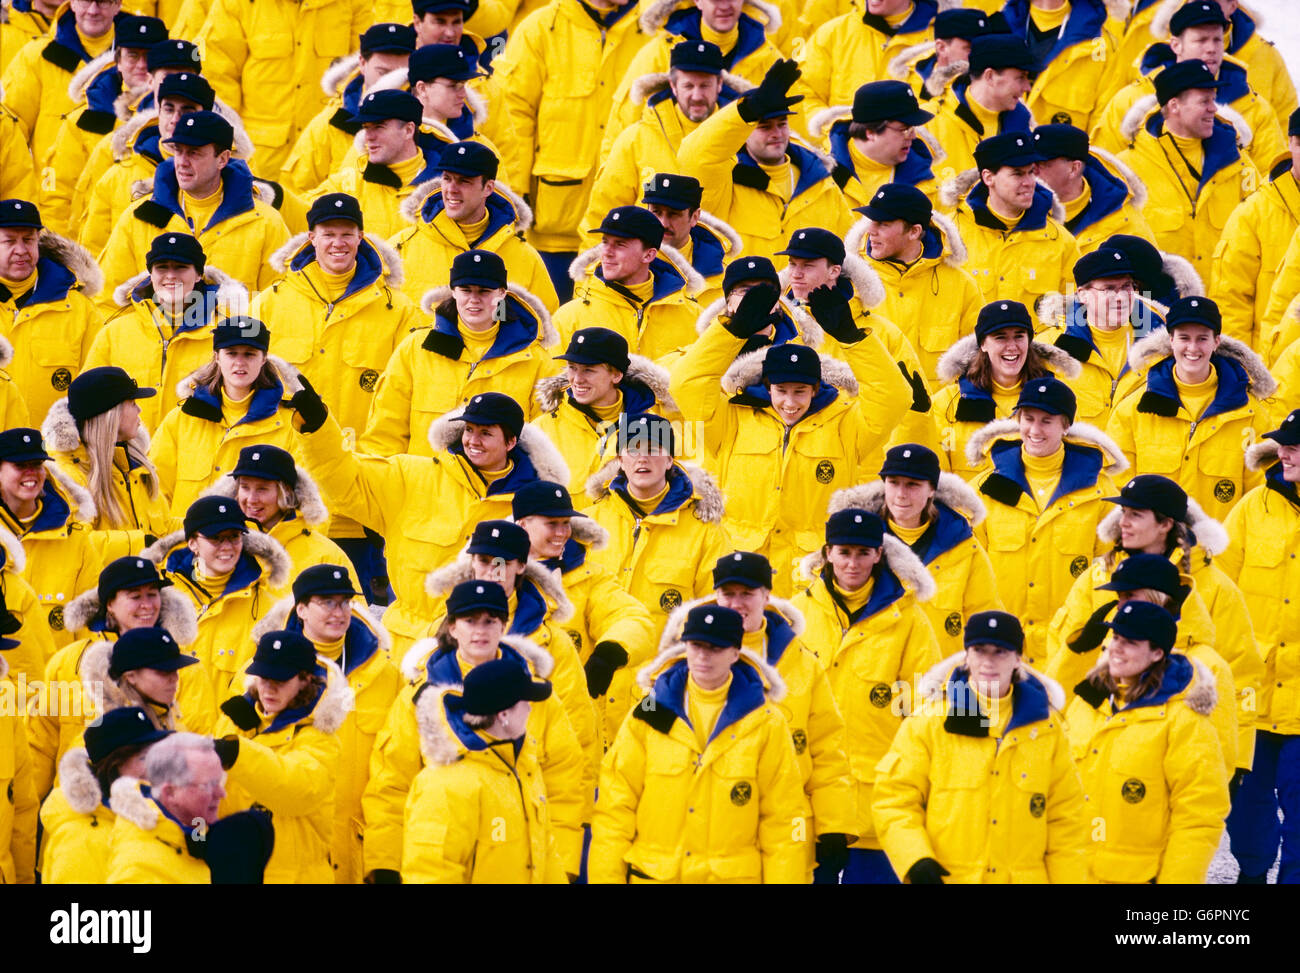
point(135, 607)
point(128, 420)
point(906, 499)
point(220, 554)
point(1041, 432)
point(274, 695)
point(325, 618)
point(240, 366)
point(1142, 530)
point(154, 684)
point(258, 498)
point(1008, 350)
point(852, 564)
point(173, 282)
point(1128, 659)
point(476, 636)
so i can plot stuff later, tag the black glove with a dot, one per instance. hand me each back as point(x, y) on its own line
point(754, 312)
point(309, 405)
point(1094, 630)
point(242, 712)
point(1234, 784)
point(606, 659)
point(920, 397)
point(228, 748)
point(831, 309)
point(239, 846)
point(383, 876)
point(832, 851)
point(772, 93)
point(927, 872)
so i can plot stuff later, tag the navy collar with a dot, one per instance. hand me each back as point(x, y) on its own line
point(1233, 391)
point(236, 192)
point(745, 694)
point(1220, 148)
point(1029, 704)
point(944, 532)
point(1079, 471)
point(368, 270)
point(501, 213)
point(1084, 23)
point(1034, 218)
point(680, 491)
point(686, 23)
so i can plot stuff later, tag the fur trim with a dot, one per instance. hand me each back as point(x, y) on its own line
point(392, 260)
point(900, 66)
point(588, 533)
point(523, 212)
point(123, 102)
point(337, 74)
point(1156, 346)
point(549, 392)
point(278, 616)
point(821, 121)
point(75, 258)
point(1186, 279)
point(1058, 207)
point(645, 86)
point(1201, 697)
point(1261, 455)
point(898, 557)
point(656, 14)
point(15, 556)
point(1136, 187)
point(723, 229)
point(546, 459)
point(272, 555)
point(127, 802)
point(177, 614)
point(232, 296)
point(125, 134)
point(549, 337)
point(932, 684)
point(937, 83)
point(672, 631)
point(410, 207)
point(77, 782)
point(59, 430)
point(645, 676)
point(6, 352)
point(809, 329)
point(289, 377)
point(83, 505)
point(4, 667)
point(1245, 134)
point(1118, 9)
point(955, 362)
point(93, 672)
point(336, 701)
point(709, 502)
point(1080, 432)
point(478, 107)
point(87, 73)
point(438, 744)
point(438, 584)
point(311, 507)
point(1211, 536)
point(395, 79)
point(871, 292)
point(1163, 15)
point(1136, 115)
point(957, 252)
point(748, 369)
point(952, 491)
point(954, 190)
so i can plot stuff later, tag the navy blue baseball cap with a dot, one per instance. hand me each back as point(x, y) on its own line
point(96, 390)
point(1195, 310)
point(147, 648)
point(813, 242)
point(542, 498)
point(469, 159)
point(19, 213)
point(209, 516)
point(241, 330)
point(440, 61)
point(173, 54)
point(1051, 395)
point(267, 463)
point(672, 190)
point(499, 538)
point(888, 101)
point(203, 128)
point(699, 56)
point(1198, 13)
point(898, 201)
point(1141, 620)
point(178, 247)
point(323, 579)
point(136, 31)
point(714, 625)
point(493, 409)
point(1061, 142)
point(335, 206)
point(1100, 264)
point(994, 628)
point(633, 223)
point(22, 445)
point(422, 7)
point(855, 526)
point(1293, 123)
point(1002, 314)
point(475, 596)
point(124, 573)
point(963, 22)
point(1007, 149)
point(913, 461)
point(645, 432)
point(597, 346)
point(999, 52)
point(743, 567)
point(758, 269)
point(281, 655)
point(191, 87)
point(127, 726)
point(1154, 571)
point(1184, 76)
point(1288, 431)
point(792, 363)
point(478, 268)
point(381, 106)
point(1151, 491)
point(498, 685)
point(394, 38)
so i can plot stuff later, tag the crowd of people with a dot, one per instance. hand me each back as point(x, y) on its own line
point(711, 441)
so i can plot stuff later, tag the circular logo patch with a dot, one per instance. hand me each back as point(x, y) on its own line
point(670, 599)
point(825, 471)
point(800, 739)
point(1133, 790)
point(1224, 491)
point(368, 379)
point(1061, 118)
point(1037, 805)
point(741, 793)
point(952, 624)
point(880, 695)
point(577, 638)
point(1078, 566)
point(56, 618)
point(61, 378)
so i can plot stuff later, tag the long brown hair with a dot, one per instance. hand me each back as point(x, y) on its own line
point(1178, 536)
point(980, 371)
point(1154, 675)
point(209, 377)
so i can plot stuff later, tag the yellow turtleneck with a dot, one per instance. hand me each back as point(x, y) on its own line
point(703, 707)
point(781, 178)
point(855, 599)
point(474, 230)
point(1197, 397)
point(863, 164)
point(478, 343)
point(200, 210)
point(232, 410)
point(1193, 152)
point(989, 119)
point(1043, 474)
point(725, 41)
point(643, 290)
point(756, 641)
point(653, 502)
point(329, 286)
point(467, 667)
point(1076, 206)
point(893, 20)
point(1046, 20)
point(95, 46)
point(1008, 219)
point(1113, 346)
point(408, 170)
point(608, 413)
point(1005, 399)
point(997, 710)
point(331, 650)
point(491, 476)
point(908, 535)
point(215, 583)
point(17, 287)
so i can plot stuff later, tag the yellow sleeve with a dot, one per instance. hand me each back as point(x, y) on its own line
point(570, 683)
point(22, 85)
point(613, 615)
point(225, 49)
point(830, 785)
point(17, 170)
point(1063, 664)
point(1198, 799)
point(709, 153)
point(441, 830)
point(22, 843)
point(294, 782)
point(920, 652)
point(900, 795)
point(43, 730)
point(368, 489)
point(1238, 527)
point(1067, 825)
point(780, 807)
point(1120, 429)
point(1285, 286)
point(884, 395)
point(981, 586)
point(388, 427)
point(394, 763)
point(815, 62)
point(1235, 272)
point(163, 451)
point(515, 92)
point(119, 261)
point(613, 827)
point(695, 379)
point(568, 791)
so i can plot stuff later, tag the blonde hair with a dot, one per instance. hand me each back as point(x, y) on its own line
point(99, 436)
point(209, 376)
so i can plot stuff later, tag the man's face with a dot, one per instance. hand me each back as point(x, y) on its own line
point(645, 469)
point(1203, 43)
point(696, 93)
point(955, 49)
point(19, 251)
point(441, 97)
point(719, 15)
point(95, 17)
point(622, 258)
point(487, 447)
point(791, 400)
point(1059, 174)
point(465, 197)
point(891, 238)
point(378, 64)
point(769, 140)
point(1192, 113)
point(1109, 301)
point(592, 383)
point(547, 535)
point(807, 275)
point(886, 8)
point(709, 665)
point(133, 65)
point(1011, 188)
point(198, 168)
point(749, 602)
point(336, 243)
point(199, 799)
point(678, 223)
point(389, 141)
point(443, 27)
point(170, 111)
point(892, 144)
point(1003, 89)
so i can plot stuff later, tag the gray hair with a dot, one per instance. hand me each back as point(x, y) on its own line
point(168, 762)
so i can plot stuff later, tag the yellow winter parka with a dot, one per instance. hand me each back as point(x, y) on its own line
point(148, 846)
point(18, 809)
point(77, 825)
point(859, 176)
point(991, 809)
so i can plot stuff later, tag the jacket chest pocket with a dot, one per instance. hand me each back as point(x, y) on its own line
point(1007, 533)
point(736, 776)
point(195, 463)
point(434, 399)
point(330, 30)
point(1160, 449)
point(665, 757)
point(1220, 456)
point(295, 346)
point(365, 348)
point(1135, 787)
point(52, 342)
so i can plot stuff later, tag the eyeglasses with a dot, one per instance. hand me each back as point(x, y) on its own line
point(904, 130)
point(447, 83)
point(1124, 288)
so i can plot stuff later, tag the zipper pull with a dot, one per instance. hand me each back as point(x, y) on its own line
point(329, 309)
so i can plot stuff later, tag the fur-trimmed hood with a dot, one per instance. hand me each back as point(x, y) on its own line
point(290, 378)
point(1201, 696)
point(725, 232)
point(413, 662)
point(1146, 106)
point(547, 334)
point(231, 296)
point(81, 502)
point(77, 782)
point(588, 533)
point(952, 491)
point(438, 583)
point(59, 430)
point(6, 352)
point(392, 260)
point(646, 675)
point(747, 370)
point(1081, 433)
point(123, 137)
point(820, 123)
point(334, 77)
point(399, 79)
point(1211, 536)
point(656, 14)
point(708, 504)
point(269, 552)
point(897, 557)
point(76, 258)
point(648, 85)
point(957, 360)
point(311, 507)
point(410, 207)
point(541, 452)
point(937, 83)
point(954, 247)
point(335, 702)
point(549, 392)
point(1136, 187)
point(278, 618)
point(15, 556)
point(672, 632)
point(128, 802)
point(1259, 456)
point(87, 73)
point(932, 684)
point(1157, 345)
point(694, 283)
point(955, 190)
point(177, 614)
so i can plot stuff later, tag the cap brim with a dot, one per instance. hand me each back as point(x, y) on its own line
point(144, 391)
point(7, 643)
point(172, 665)
point(21, 225)
point(618, 231)
point(463, 170)
point(269, 670)
point(472, 281)
point(1281, 437)
point(999, 642)
point(803, 254)
point(709, 639)
point(26, 457)
point(580, 359)
point(208, 530)
point(671, 202)
point(480, 606)
point(1113, 585)
point(747, 581)
point(539, 691)
point(491, 550)
point(555, 512)
point(339, 589)
point(777, 376)
point(914, 118)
